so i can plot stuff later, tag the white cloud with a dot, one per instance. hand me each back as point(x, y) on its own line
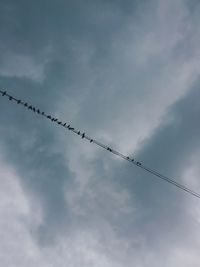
point(15, 65)
point(16, 245)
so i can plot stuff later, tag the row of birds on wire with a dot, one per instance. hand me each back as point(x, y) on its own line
point(64, 124)
point(92, 140)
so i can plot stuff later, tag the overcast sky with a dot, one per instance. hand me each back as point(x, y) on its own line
point(127, 73)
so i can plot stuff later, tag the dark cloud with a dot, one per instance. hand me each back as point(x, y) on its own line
point(169, 150)
point(113, 68)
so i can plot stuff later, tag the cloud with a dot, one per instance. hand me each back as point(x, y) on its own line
point(127, 73)
point(21, 66)
point(17, 246)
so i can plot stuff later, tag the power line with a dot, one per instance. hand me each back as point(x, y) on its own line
point(83, 135)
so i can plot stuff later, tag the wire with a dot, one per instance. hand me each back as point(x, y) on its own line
point(92, 140)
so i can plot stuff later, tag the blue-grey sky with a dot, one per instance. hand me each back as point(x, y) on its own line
point(127, 73)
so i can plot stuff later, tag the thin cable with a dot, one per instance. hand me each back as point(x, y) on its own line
point(92, 140)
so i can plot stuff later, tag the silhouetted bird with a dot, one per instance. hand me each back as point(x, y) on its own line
point(30, 107)
point(132, 160)
point(4, 93)
point(138, 163)
point(33, 109)
point(38, 111)
point(64, 124)
point(10, 98)
point(49, 117)
point(59, 122)
point(19, 101)
point(127, 158)
point(91, 140)
point(83, 135)
point(43, 113)
point(71, 128)
point(26, 104)
point(109, 149)
point(78, 132)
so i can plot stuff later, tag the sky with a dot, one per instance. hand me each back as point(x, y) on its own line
point(127, 73)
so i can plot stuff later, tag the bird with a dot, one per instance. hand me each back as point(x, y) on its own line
point(109, 149)
point(38, 111)
point(4, 93)
point(19, 101)
point(132, 160)
point(33, 109)
point(78, 132)
point(59, 122)
point(127, 158)
point(91, 140)
point(83, 135)
point(64, 124)
point(30, 107)
point(10, 97)
point(26, 104)
point(49, 117)
point(138, 163)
